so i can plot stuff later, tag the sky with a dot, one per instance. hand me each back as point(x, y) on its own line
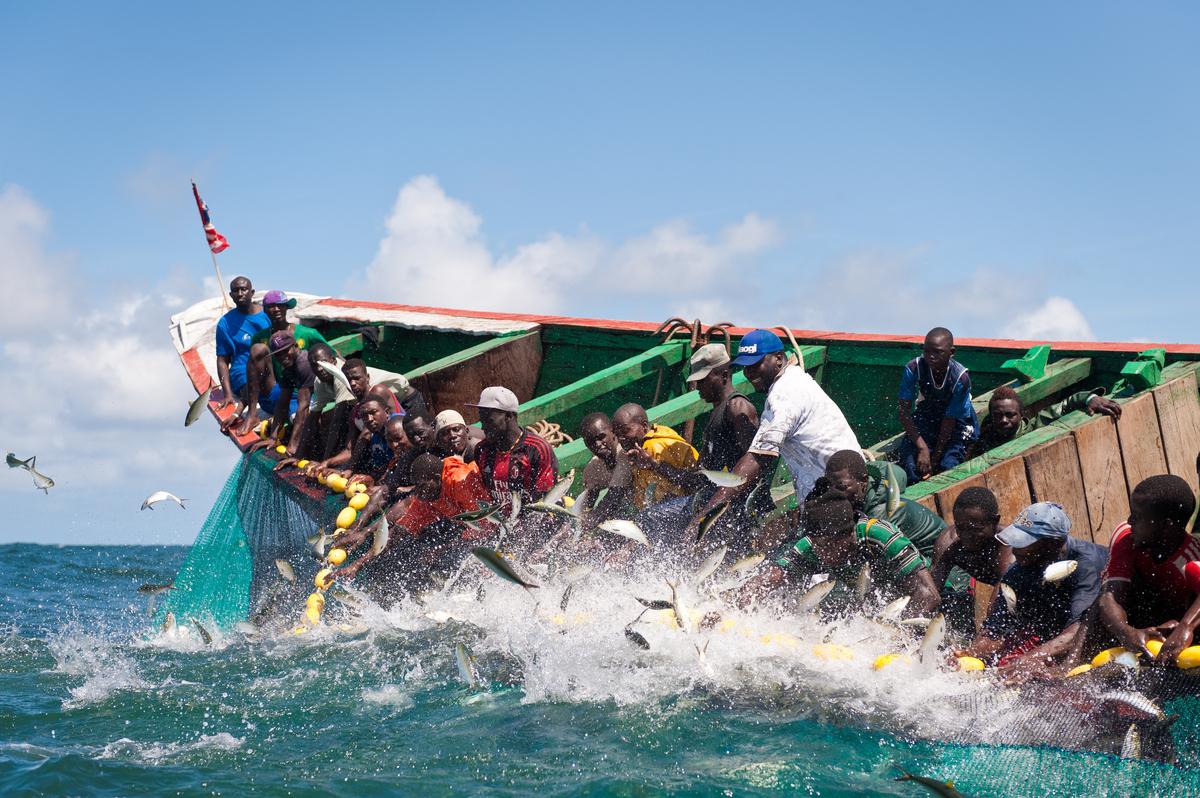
point(1023, 171)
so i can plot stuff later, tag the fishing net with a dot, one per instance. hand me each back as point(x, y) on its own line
point(252, 523)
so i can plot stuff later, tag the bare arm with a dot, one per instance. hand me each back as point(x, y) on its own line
point(1181, 635)
point(303, 397)
point(942, 562)
point(904, 409)
point(223, 377)
point(925, 595)
point(945, 431)
point(1112, 612)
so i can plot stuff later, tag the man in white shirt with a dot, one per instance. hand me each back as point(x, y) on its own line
point(800, 423)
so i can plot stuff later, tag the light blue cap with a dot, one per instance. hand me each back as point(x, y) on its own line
point(1041, 521)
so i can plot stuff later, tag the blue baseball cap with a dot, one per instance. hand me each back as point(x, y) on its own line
point(755, 345)
point(1041, 521)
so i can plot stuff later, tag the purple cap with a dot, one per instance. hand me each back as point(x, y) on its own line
point(755, 345)
point(281, 341)
point(277, 298)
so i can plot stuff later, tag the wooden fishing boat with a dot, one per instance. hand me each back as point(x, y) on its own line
point(562, 368)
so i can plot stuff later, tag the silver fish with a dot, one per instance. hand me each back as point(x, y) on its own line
point(1131, 746)
point(754, 493)
point(285, 570)
point(197, 405)
point(626, 529)
point(683, 616)
point(1136, 701)
point(654, 604)
point(319, 542)
point(893, 491)
point(380, 536)
point(515, 513)
point(711, 563)
point(496, 563)
point(154, 590)
point(637, 639)
point(41, 481)
point(14, 462)
point(916, 622)
point(702, 652)
point(1058, 571)
point(162, 496)
point(554, 509)
point(710, 519)
point(473, 516)
point(555, 494)
point(169, 623)
point(935, 635)
point(815, 595)
point(747, 563)
point(943, 788)
point(466, 666)
point(566, 597)
point(723, 479)
point(336, 373)
point(863, 583)
point(891, 611)
point(204, 635)
point(1010, 596)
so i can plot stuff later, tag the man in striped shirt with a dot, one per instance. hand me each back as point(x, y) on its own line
point(831, 540)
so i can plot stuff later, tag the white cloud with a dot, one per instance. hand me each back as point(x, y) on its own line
point(1057, 319)
point(93, 388)
point(434, 253)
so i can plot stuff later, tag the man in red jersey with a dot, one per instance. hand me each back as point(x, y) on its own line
point(1147, 595)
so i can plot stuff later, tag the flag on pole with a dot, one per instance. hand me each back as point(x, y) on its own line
point(216, 241)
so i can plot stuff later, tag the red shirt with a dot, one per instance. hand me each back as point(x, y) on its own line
point(529, 466)
point(1160, 590)
point(462, 490)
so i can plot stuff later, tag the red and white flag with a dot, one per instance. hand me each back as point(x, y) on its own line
point(216, 241)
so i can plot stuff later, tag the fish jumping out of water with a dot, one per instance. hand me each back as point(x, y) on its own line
point(197, 405)
point(336, 373)
point(1058, 571)
point(935, 635)
point(1131, 746)
point(626, 529)
point(15, 462)
point(1010, 596)
point(286, 570)
point(863, 583)
point(40, 480)
point(162, 496)
point(683, 616)
point(380, 536)
point(472, 517)
point(496, 563)
point(154, 590)
point(466, 667)
point(710, 519)
point(815, 595)
point(723, 479)
point(711, 563)
point(204, 635)
point(942, 788)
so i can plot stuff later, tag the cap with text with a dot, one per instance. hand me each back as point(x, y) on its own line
point(755, 345)
point(1041, 521)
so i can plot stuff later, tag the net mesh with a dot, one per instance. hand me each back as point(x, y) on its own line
point(252, 523)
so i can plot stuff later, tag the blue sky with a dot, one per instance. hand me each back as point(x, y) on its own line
point(881, 167)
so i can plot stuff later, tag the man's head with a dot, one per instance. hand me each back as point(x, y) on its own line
point(451, 431)
point(1159, 509)
point(242, 293)
point(283, 347)
point(976, 516)
point(597, 434)
point(631, 425)
point(761, 356)
point(276, 304)
point(393, 433)
point(847, 474)
point(421, 431)
point(356, 374)
point(322, 353)
point(1004, 412)
point(938, 349)
point(427, 477)
point(374, 413)
point(829, 521)
point(710, 372)
point(1037, 534)
point(497, 412)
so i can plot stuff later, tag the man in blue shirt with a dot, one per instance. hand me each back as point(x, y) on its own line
point(937, 433)
point(1038, 619)
point(234, 331)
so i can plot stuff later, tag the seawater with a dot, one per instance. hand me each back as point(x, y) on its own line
point(92, 702)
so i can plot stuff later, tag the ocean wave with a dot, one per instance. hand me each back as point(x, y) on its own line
point(154, 753)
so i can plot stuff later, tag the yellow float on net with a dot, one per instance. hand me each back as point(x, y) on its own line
point(303, 464)
point(324, 578)
point(281, 449)
point(1106, 655)
point(315, 599)
point(313, 614)
point(884, 660)
point(1079, 669)
point(336, 556)
point(336, 483)
point(346, 517)
point(1154, 646)
point(969, 664)
point(832, 652)
point(359, 501)
point(321, 479)
point(1188, 658)
point(355, 488)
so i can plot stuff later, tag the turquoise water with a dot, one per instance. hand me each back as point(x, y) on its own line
point(89, 705)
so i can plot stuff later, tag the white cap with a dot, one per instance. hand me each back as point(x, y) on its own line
point(448, 418)
point(497, 398)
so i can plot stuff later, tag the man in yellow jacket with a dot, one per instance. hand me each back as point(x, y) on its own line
point(661, 459)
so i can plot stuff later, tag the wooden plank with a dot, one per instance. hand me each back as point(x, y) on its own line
point(451, 382)
point(928, 502)
point(1178, 405)
point(1141, 440)
point(601, 382)
point(946, 496)
point(1010, 484)
point(1103, 474)
point(1054, 476)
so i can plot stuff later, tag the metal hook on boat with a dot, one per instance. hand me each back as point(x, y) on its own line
point(722, 328)
point(795, 346)
point(667, 328)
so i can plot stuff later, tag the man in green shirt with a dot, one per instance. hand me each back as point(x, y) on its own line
point(1006, 419)
point(264, 370)
point(832, 540)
